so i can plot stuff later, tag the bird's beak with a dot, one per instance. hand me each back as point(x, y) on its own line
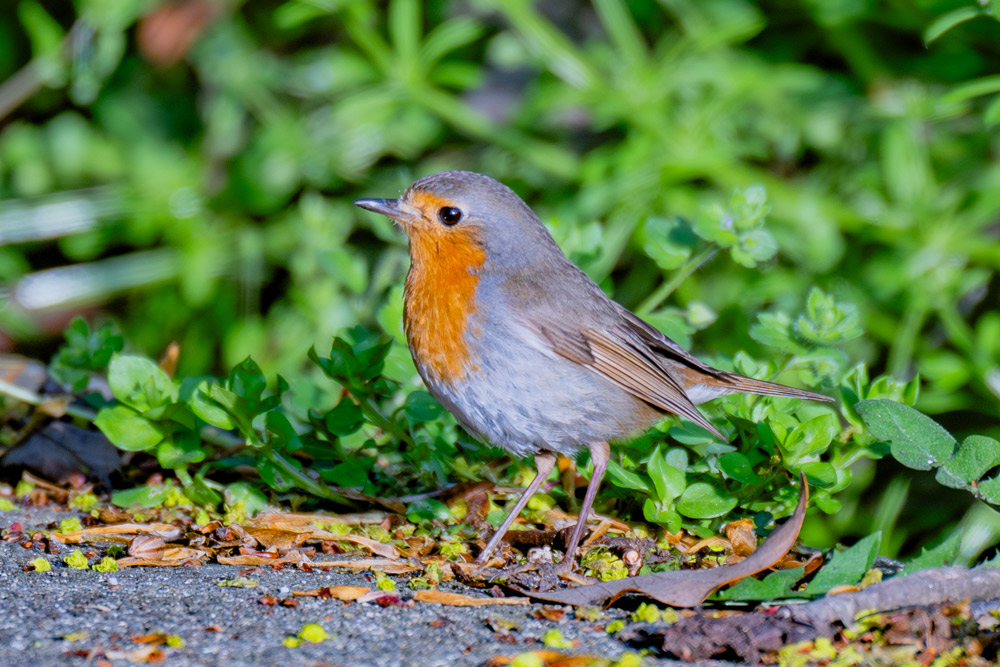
point(387, 207)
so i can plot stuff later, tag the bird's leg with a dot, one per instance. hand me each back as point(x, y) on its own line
point(544, 462)
point(600, 453)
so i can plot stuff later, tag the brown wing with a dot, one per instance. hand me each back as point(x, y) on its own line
point(705, 374)
point(629, 364)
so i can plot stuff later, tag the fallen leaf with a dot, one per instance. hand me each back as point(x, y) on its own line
point(119, 532)
point(150, 547)
point(129, 561)
point(707, 543)
point(546, 658)
point(383, 564)
point(280, 539)
point(291, 558)
point(343, 593)
point(378, 548)
point(688, 588)
point(459, 600)
point(550, 613)
point(283, 519)
point(742, 536)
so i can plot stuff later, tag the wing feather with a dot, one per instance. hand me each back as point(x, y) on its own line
point(629, 364)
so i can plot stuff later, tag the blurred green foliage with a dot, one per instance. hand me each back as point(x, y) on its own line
point(810, 183)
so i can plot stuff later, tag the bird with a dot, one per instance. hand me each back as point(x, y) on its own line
point(524, 348)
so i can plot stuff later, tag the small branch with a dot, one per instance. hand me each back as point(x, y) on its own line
point(26, 81)
point(927, 587)
point(31, 398)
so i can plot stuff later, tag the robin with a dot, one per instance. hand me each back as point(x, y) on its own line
point(524, 348)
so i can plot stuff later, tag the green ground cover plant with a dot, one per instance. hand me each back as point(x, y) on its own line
point(806, 192)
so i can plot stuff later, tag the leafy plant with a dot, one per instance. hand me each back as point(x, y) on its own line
point(918, 442)
point(741, 174)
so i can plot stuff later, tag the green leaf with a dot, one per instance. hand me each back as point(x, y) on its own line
point(241, 492)
point(197, 490)
point(278, 424)
point(942, 555)
point(209, 410)
point(975, 456)
point(346, 418)
point(45, 33)
point(126, 429)
point(427, 509)
point(626, 479)
point(139, 383)
point(774, 586)
point(668, 481)
point(949, 20)
point(986, 85)
point(247, 381)
point(353, 473)
point(820, 473)
point(180, 449)
point(704, 501)
point(737, 466)
point(662, 513)
point(846, 568)
point(179, 413)
point(989, 490)
point(141, 496)
point(274, 476)
point(422, 407)
point(84, 352)
point(811, 438)
point(916, 441)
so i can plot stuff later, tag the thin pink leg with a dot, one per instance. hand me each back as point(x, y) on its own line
point(544, 462)
point(600, 453)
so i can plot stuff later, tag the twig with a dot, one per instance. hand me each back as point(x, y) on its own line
point(27, 81)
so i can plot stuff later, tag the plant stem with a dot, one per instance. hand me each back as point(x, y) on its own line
point(31, 398)
point(666, 289)
point(379, 420)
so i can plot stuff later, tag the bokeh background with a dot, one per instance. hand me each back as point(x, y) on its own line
point(186, 168)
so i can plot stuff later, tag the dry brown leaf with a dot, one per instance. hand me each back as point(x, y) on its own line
point(378, 548)
point(172, 556)
point(55, 407)
point(418, 546)
point(548, 658)
point(119, 532)
point(459, 600)
point(150, 547)
point(343, 593)
point(172, 553)
point(284, 520)
point(742, 536)
point(557, 514)
point(291, 558)
point(281, 539)
point(597, 533)
point(704, 544)
point(382, 564)
point(170, 358)
point(129, 561)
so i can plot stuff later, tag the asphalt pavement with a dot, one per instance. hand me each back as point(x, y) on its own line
point(183, 616)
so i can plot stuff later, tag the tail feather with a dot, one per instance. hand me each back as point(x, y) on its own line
point(747, 385)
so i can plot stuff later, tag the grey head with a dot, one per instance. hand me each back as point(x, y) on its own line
point(476, 207)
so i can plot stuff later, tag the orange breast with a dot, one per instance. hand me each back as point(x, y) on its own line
point(440, 299)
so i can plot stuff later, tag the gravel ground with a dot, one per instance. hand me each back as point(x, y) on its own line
point(74, 617)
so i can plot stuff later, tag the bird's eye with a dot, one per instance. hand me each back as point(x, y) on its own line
point(449, 215)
